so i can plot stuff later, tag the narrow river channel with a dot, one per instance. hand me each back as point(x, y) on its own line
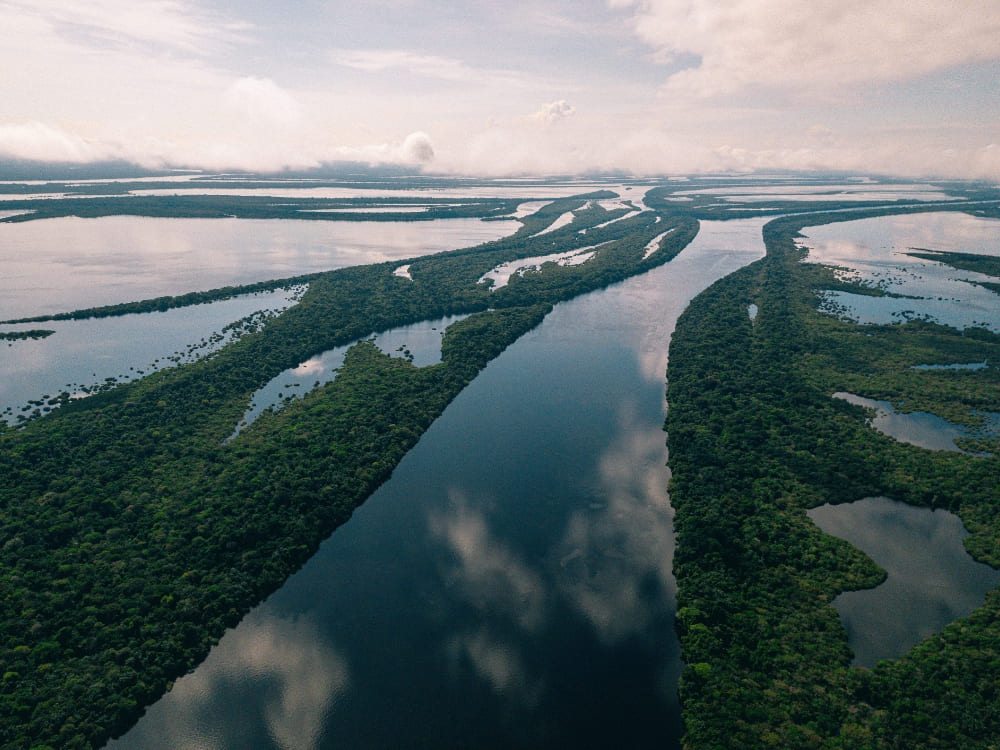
point(511, 585)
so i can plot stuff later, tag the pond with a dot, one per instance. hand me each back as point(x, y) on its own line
point(511, 584)
point(931, 579)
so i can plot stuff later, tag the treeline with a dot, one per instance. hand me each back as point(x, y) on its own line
point(133, 534)
point(255, 207)
point(35, 333)
point(755, 440)
point(161, 304)
point(985, 264)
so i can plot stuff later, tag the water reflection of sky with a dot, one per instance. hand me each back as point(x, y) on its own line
point(873, 251)
point(57, 265)
point(84, 353)
point(824, 192)
point(931, 580)
point(284, 676)
point(511, 585)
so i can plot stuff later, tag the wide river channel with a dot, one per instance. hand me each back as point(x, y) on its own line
point(511, 584)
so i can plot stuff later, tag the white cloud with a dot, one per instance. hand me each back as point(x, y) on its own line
point(263, 101)
point(812, 45)
point(432, 66)
point(553, 112)
point(173, 23)
point(417, 148)
point(40, 142)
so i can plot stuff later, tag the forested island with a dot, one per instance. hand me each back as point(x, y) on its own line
point(755, 440)
point(134, 532)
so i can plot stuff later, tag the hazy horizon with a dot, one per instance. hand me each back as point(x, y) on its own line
point(638, 86)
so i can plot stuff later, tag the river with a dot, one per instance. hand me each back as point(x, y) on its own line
point(511, 584)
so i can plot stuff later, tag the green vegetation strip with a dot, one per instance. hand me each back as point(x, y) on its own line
point(755, 440)
point(36, 333)
point(132, 537)
point(985, 264)
point(161, 304)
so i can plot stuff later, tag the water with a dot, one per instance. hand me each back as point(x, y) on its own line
point(931, 580)
point(921, 428)
point(511, 585)
point(824, 192)
point(500, 276)
point(83, 354)
point(873, 251)
point(58, 265)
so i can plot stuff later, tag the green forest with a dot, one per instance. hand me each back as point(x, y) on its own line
point(133, 534)
point(756, 439)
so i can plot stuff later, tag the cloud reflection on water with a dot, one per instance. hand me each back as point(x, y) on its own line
point(611, 564)
point(285, 676)
point(625, 576)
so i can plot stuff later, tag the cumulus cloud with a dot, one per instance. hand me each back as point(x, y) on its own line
point(816, 45)
point(262, 100)
point(553, 112)
point(417, 148)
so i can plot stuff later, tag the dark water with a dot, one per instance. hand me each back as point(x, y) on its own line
point(511, 585)
point(931, 579)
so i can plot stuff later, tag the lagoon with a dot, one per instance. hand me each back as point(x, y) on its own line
point(931, 579)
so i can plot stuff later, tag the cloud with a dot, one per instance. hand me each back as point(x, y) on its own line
point(40, 142)
point(432, 66)
point(448, 69)
point(263, 101)
point(813, 46)
point(172, 23)
point(417, 148)
point(553, 112)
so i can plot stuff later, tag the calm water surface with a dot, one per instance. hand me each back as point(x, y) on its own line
point(58, 265)
point(82, 354)
point(919, 427)
point(931, 580)
point(874, 252)
point(511, 585)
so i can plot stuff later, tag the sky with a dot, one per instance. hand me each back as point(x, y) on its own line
point(900, 87)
